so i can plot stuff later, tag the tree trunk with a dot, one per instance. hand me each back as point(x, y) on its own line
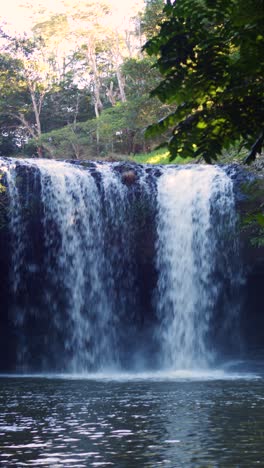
point(256, 149)
point(36, 108)
point(111, 94)
point(117, 61)
point(121, 84)
point(91, 57)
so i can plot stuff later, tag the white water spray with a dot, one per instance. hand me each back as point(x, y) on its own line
point(187, 252)
point(94, 307)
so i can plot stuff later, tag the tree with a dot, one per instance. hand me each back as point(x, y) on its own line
point(35, 96)
point(56, 35)
point(79, 64)
point(152, 17)
point(14, 103)
point(32, 75)
point(210, 54)
point(66, 104)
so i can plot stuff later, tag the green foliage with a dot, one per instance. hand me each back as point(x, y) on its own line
point(255, 222)
point(159, 156)
point(57, 103)
point(64, 104)
point(14, 100)
point(7, 142)
point(68, 142)
point(73, 68)
point(140, 76)
point(153, 17)
point(253, 219)
point(254, 190)
point(211, 57)
point(118, 130)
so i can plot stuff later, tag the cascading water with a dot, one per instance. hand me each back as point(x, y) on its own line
point(188, 243)
point(76, 262)
point(17, 227)
point(113, 270)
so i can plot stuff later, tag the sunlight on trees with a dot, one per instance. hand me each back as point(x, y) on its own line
point(211, 57)
point(79, 67)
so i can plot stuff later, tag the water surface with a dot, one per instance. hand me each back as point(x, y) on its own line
point(147, 420)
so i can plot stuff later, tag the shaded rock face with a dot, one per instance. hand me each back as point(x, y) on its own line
point(40, 278)
point(129, 177)
point(249, 187)
point(108, 226)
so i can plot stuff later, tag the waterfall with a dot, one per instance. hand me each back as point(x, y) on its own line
point(17, 227)
point(107, 272)
point(196, 212)
point(76, 262)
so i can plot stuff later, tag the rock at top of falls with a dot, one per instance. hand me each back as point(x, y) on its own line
point(107, 272)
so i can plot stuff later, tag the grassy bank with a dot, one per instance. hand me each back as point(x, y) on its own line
point(160, 156)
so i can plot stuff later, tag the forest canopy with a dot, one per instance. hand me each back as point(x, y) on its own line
point(210, 55)
point(79, 85)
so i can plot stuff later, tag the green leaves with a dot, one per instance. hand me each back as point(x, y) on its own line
point(211, 57)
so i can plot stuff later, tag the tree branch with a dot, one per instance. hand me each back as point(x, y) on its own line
point(256, 148)
point(22, 119)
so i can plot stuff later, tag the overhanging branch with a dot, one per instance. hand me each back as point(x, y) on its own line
point(256, 149)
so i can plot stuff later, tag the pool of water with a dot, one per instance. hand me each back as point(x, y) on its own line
point(181, 419)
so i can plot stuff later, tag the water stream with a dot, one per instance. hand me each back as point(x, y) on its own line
point(196, 211)
point(109, 274)
point(182, 420)
point(120, 303)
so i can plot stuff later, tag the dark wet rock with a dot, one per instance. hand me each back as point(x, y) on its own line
point(247, 183)
point(258, 165)
point(129, 177)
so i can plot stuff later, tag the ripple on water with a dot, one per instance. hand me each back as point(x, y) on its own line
point(141, 422)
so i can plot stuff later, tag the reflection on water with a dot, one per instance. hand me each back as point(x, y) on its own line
point(132, 423)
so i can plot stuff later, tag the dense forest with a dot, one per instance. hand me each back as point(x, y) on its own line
point(78, 85)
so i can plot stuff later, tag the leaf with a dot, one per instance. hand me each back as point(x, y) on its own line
point(212, 67)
